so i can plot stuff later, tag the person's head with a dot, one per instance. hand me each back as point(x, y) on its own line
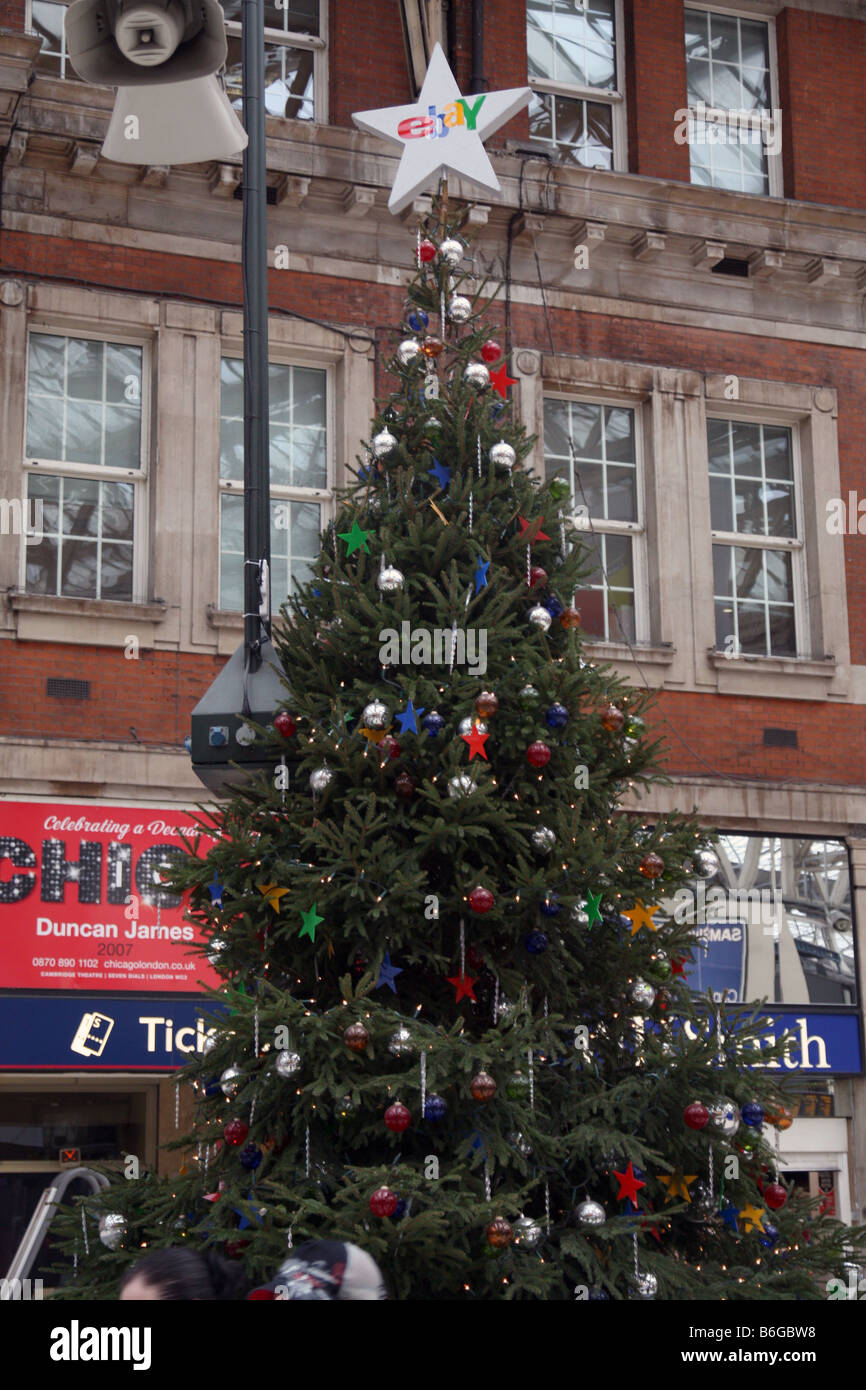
point(182, 1274)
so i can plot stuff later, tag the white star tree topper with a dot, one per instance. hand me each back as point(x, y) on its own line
point(442, 131)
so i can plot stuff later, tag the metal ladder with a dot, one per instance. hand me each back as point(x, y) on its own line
point(41, 1219)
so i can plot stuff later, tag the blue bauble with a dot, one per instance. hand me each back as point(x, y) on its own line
point(250, 1157)
point(753, 1114)
point(553, 606)
point(400, 1210)
point(212, 1087)
point(434, 1108)
point(536, 943)
point(418, 320)
point(550, 905)
point(598, 1295)
point(433, 723)
point(556, 717)
point(770, 1236)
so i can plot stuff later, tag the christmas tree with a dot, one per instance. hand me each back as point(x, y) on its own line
point(451, 1024)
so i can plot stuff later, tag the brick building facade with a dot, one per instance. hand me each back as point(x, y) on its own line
point(692, 309)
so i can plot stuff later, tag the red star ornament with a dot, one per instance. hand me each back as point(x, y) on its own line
point(532, 528)
point(628, 1184)
point(677, 965)
point(475, 742)
point(464, 985)
point(500, 380)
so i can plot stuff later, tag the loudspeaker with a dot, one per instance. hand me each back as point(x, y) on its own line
point(182, 123)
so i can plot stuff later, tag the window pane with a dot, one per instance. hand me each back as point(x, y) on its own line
point(47, 23)
point(45, 489)
point(44, 428)
point(721, 507)
point(619, 567)
point(619, 434)
point(70, 379)
point(84, 369)
point(727, 67)
point(724, 624)
point(586, 429)
point(749, 572)
point(309, 389)
point(231, 553)
point(80, 507)
point(780, 584)
point(621, 500)
point(310, 462)
point(116, 571)
point(281, 455)
point(232, 387)
point(780, 510)
point(41, 567)
point(589, 487)
point(597, 152)
point(751, 619)
point(298, 451)
point(783, 637)
point(746, 440)
point(84, 421)
point(78, 564)
point(555, 434)
point(123, 374)
point(280, 391)
point(724, 38)
point(232, 450)
point(122, 437)
point(699, 83)
point(118, 502)
point(777, 452)
point(722, 570)
point(541, 116)
point(306, 529)
point(750, 508)
point(47, 364)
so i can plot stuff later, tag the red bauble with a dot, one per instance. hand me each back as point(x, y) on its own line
point(696, 1115)
point(569, 617)
point(613, 719)
point(404, 785)
point(397, 1117)
point(482, 1087)
point(538, 753)
point(499, 1233)
point(652, 865)
point(775, 1196)
point(537, 577)
point(356, 1037)
point(427, 251)
point(491, 351)
point(236, 1132)
point(285, 724)
point(383, 1202)
point(481, 899)
point(389, 748)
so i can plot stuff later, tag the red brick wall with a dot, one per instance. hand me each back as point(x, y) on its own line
point(12, 14)
point(822, 79)
point(655, 59)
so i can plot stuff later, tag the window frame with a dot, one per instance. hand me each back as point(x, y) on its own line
point(138, 477)
point(614, 97)
point(64, 57)
point(637, 529)
point(796, 545)
point(231, 487)
point(317, 44)
point(775, 178)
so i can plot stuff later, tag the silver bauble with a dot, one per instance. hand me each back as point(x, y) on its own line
point(724, 1117)
point(459, 308)
point(543, 839)
point(705, 864)
point(230, 1080)
point(527, 1232)
point(701, 1201)
point(528, 695)
point(519, 1142)
point(645, 1285)
point(539, 618)
point(461, 785)
point(389, 580)
point(112, 1229)
point(629, 744)
point(383, 444)
point(641, 994)
point(467, 725)
point(320, 779)
point(408, 351)
point(451, 251)
point(579, 915)
point(374, 715)
point(505, 1008)
point(287, 1064)
point(216, 946)
point(591, 1214)
point(401, 1043)
point(502, 455)
point(477, 375)
point(209, 1043)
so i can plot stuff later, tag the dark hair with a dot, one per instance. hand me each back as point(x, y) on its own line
point(189, 1274)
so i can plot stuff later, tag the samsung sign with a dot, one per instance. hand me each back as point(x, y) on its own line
point(101, 1033)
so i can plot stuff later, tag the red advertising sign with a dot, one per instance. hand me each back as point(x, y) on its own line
point(82, 902)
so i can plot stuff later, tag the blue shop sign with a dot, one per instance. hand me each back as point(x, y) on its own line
point(820, 1042)
point(101, 1033)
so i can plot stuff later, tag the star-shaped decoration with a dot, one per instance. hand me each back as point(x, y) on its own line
point(442, 131)
point(753, 1218)
point(245, 1220)
point(628, 1184)
point(729, 1216)
point(641, 916)
point(215, 889)
point(388, 973)
point(531, 530)
point(592, 907)
point(464, 985)
point(677, 1184)
point(678, 965)
point(500, 380)
point(409, 718)
point(376, 735)
point(441, 473)
point(481, 568)
point(356, 539)
point(311, 920)
point(272, 894)
point(476, 741)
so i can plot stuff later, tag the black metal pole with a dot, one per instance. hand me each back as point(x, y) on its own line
point(476, 81)
point(254, 264)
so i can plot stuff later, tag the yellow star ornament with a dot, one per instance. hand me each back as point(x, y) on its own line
point(272, 894)
point(641, 916)
point(677, 1184)
point(753, 1218)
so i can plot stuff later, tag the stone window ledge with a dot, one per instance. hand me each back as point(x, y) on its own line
point(621, 651)
point(774, 665)
point(152, 612)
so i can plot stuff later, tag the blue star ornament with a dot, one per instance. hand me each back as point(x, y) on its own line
point(481, 574)
point(442, 132)
point(388, 974)
point(729, 1216)
point(441, 472)
point(409, 718)
point(216, 890)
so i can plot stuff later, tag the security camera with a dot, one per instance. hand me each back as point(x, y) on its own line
point(163, 57)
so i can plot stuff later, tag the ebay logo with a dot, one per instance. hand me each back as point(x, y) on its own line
point(460, 112)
